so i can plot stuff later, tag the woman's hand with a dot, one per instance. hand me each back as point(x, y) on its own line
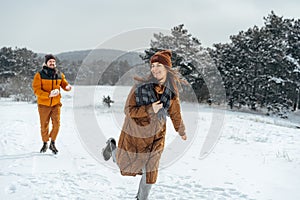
point(184, 137)
point(157, 106)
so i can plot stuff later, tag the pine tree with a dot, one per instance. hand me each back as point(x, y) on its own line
point(293, 56)
point(17, 68)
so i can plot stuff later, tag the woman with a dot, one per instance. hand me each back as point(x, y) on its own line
point(142, 139)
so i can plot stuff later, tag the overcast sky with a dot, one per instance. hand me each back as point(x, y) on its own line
point(55, 26)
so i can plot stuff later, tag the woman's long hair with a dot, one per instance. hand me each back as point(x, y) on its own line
point(173, 76)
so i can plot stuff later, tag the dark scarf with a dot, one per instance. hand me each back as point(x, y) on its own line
point(52, 73)
point(145, 94)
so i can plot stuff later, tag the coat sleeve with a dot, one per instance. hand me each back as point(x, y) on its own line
point(175, 115)
point(135, 111)
point(37, 87)
point(64, 82)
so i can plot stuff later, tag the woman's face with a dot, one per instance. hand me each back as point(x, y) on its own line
point(159, 72)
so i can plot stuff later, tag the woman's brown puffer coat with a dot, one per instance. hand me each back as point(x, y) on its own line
point(142, 139)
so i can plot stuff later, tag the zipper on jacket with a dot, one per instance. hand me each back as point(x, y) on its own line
point(51, 90)
point(51, 100)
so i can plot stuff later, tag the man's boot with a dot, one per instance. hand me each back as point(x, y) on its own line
point(53, 148)
point(44, 148)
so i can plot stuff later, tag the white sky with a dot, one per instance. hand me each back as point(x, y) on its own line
point(55, 26)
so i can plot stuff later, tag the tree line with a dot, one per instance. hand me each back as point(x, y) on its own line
point(259, 68)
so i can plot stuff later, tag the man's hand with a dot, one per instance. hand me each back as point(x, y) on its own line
point(68, 87)
point(157, 106)
point(54, 93)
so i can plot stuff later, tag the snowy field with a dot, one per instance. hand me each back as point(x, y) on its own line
point(256, 157)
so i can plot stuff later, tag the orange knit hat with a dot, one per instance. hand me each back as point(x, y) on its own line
point(163, 57)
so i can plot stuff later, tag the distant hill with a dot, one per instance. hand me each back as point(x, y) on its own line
point(107, 55)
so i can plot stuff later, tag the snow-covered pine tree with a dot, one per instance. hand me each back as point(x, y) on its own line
point(279, 69)
point(17, 68)
point(293, 55)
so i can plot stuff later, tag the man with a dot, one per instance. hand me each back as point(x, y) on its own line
point(46, 86)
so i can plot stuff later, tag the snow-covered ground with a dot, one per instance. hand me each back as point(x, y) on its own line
point(256, 157)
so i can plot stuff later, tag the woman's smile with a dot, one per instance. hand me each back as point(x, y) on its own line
point(159, 71)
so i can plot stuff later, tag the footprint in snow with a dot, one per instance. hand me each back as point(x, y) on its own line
point(11, 189)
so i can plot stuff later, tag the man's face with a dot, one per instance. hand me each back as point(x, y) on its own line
point(51, 63)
